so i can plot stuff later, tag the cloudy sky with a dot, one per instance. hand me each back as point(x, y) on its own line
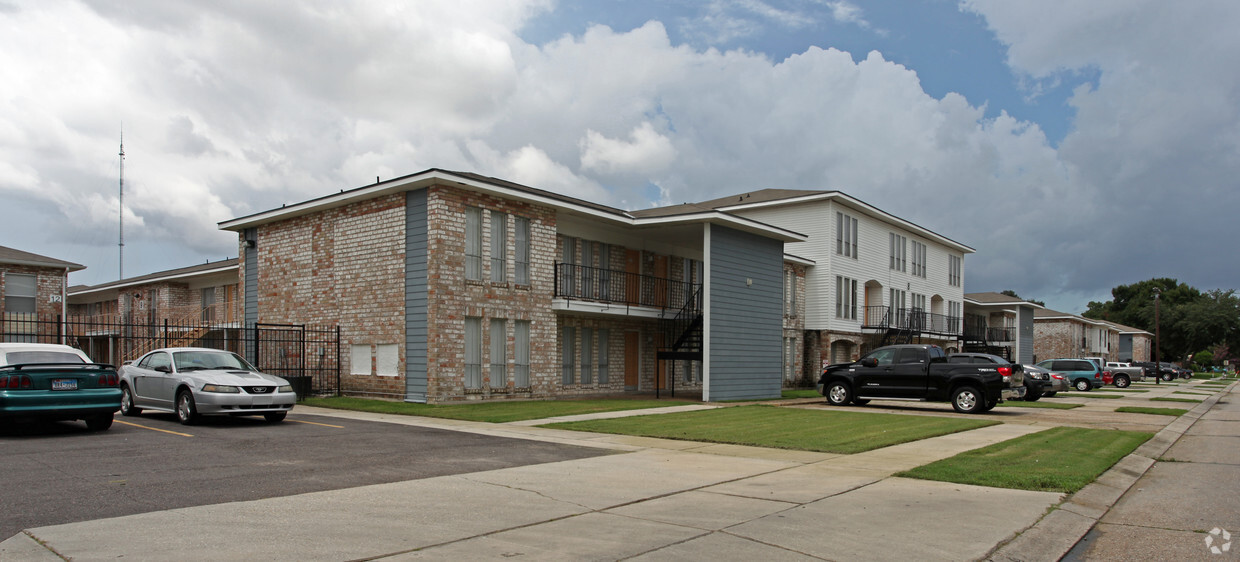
point(1076, 145)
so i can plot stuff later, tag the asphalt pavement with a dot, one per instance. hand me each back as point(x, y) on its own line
point(656, 499)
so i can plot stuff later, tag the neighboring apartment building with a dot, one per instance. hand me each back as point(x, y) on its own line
point(451, 286)
point(1132, 344)
point(202, 301)
point(875, 279)
point(1059, 334)
point(1001, 325)
point(32, 287)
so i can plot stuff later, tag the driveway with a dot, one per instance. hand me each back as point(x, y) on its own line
point(61, 473)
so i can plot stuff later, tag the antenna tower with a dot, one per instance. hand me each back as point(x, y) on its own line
point(121, 245)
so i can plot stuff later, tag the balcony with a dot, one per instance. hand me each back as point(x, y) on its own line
point(610, 286)
point(913, 320)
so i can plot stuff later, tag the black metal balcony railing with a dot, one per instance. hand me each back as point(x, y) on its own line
point(975, 329)
point(582, 282)
point(914, 319)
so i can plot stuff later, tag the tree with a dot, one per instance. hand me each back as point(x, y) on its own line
point(1203, 359)
point(1189, 320)
point(1013, 294)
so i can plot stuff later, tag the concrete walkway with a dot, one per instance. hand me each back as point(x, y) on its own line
point(655, 499)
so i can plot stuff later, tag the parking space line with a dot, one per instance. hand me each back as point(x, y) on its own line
point(154, 428)
point(317, 423)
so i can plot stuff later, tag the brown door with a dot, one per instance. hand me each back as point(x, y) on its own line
point(632, 359)
point(633, 271)
point(660, 281)
point(661, 368)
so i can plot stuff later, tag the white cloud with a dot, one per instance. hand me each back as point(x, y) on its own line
point(646, 153)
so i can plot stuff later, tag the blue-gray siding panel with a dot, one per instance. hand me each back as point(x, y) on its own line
point(415, 296)
point(1024, 323)
point(746, 320)
point(251, 288)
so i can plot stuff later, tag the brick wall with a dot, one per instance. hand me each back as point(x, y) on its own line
point(1054, 339)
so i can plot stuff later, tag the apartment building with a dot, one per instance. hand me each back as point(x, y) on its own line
point(1060, 334)
point(451, 286)
point(875, 278)
point(32, 286)
point(999, 324)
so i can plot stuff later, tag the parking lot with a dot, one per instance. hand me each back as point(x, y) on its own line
point(61, 473)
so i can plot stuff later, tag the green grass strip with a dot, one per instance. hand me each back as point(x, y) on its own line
point(783, 428)
point(1215, 383)
point(1040, 404)
point(1091, 394)
point(1193, 393)
point(1121, 390)
point(1155, 411)
point(792, 394)
point(1060, 459)
point(1167, 399)
point(494, 412)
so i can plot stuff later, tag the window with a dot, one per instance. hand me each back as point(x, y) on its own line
point(953, 270)
point(499, 247)
point(208, 304)
point(568, 273)
point(387, 359)
point(587, 356)
point(845, 298)
point(919, 259)
point(521, 354)
point(790, 358)
point(603, 353)
point(499, 353)
point(604, 274)
point(790, 293)
point(919, 302)
point(899, 248)
point(897, 299)
point(587, 268)
point(19, 293)
point(522, 269)
point(473, 352)
point(567, 350)
point(473, 243)
point(845, 235)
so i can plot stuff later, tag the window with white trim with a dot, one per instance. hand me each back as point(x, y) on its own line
point(845, 298)
point(473, 243)
point(845, 235)
point(953, 270)
point(899, 252)
point(919, 259)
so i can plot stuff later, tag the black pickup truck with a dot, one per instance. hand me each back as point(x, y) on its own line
point(922, 373)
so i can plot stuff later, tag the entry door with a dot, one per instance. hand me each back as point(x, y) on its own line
point(632, 279)
point(632, 359)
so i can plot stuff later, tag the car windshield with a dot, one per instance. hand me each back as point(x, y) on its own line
point(20, 357)
point(199, 360)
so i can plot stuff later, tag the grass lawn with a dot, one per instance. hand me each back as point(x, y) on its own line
point(1167, 399)
point(495, 412)
point(783, 428)
point(1193, 393)
point(1060, 459)
point(799, 393)
point(1121, 390)
point(1040, 404)
point(1216, 383)
point(1155, 411)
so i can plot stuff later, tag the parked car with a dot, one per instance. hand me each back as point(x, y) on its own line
point(56, 382)
point(1033, 384)
point(1083, 374)
point(1165, 371)
point(1052, 383)
point(921, 373)
point(192, 381)
point(1124, 374)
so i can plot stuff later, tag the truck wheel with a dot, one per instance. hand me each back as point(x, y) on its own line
point(967, 400)
point(1051, 393)
point(1121, 381)
point(1084, 385)
point(838, 393)
point(1032, 395)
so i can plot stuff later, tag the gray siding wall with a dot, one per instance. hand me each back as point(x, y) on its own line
point(251, 288)
point(746, 320)
point(415, 296)
point(1024, 335)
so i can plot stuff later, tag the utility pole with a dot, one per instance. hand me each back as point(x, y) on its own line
point(120, 270)
point(1157, 365)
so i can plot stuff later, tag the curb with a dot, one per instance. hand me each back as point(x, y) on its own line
point(1052, 537)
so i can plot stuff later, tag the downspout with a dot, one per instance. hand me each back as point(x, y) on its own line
point(706, 289)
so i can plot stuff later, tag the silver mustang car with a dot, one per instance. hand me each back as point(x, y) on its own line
point(191, 381)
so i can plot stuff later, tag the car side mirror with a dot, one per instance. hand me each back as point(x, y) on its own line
point(869, 362)
point(164, 369)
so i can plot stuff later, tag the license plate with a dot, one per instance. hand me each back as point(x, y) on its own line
point(64, 384)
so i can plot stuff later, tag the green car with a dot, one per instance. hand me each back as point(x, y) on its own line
point(56, 382)
point(1082, 374)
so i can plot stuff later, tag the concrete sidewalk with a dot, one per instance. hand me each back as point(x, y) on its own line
point(656, 499)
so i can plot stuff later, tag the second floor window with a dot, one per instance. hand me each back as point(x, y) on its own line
point(919, 259)
point(473, 243)
point(845, 235)
point(899, 256)
point(953, 270)
point(522, 265)
point(499, 246)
